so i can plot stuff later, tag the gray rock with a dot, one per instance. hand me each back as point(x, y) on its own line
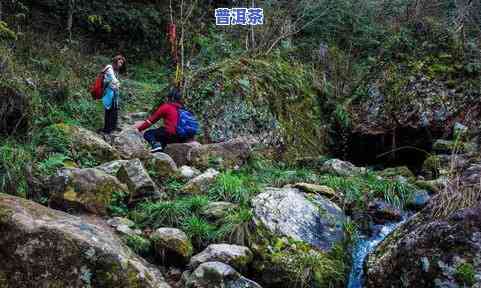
point(84, 189)
point(442, 244)
point(172, 244)
point(341, 168)
point(112, 167)
point(180, 152)
point(234, 255)
point(131, 144)
point(288, 212)
point(41, 247)
point(163, 165)
point(218, 275)
point(138, 180)
point(225, 155)
point(218, 210)
point(201, 183)
point(117, 221)
point(188, 173)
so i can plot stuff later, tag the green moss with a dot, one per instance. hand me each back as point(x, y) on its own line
point(397, 171)
point(465, 274)
point(6, 33)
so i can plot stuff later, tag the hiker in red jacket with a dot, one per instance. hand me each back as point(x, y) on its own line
point(159, 138)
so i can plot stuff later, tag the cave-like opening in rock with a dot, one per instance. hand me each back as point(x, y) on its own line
point(405, 146)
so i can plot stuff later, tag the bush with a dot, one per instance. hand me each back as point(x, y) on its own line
point(15, 111)
point(14, 160)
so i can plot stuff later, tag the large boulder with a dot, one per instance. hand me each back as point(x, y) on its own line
point(309, 218)
point(218, 275)
point(172, 245)
point(86, 141)
point(41, 247)
point(180, 151)
point(201, 183)
point(84, 189)
point(131, 144)
point(226, 155)
point(429, 252)
point(187, 173)
point(234, 255)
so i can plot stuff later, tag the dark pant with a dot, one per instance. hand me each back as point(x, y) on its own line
point(111, 119)
point(154, 136)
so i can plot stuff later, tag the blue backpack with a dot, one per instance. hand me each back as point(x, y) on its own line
point(187, 125)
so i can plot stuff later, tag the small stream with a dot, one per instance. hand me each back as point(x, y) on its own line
point(363, 247)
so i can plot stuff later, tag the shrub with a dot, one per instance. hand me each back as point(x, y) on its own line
point(14, 159)
point(199, 230)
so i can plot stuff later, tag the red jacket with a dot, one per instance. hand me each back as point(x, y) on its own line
point(169, 113)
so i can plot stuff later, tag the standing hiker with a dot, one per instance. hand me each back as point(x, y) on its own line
point(179, 124)
point(111, 95)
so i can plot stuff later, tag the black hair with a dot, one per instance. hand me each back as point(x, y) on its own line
point(175, 95)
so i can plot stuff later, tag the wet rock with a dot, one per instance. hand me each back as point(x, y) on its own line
point(41, 247)
point(445, 246)
point(381, 212)
point(180, 151)
point(419, 200)
point(309, 218)
point(172, 245)
point(140, 184)
point(131, 144)
point(162, 165)
point(84, 189)
point(201, 183)
point(218, 275)
point(89, 142)
point(234, 255)
point(188, 173)
point(225, 155)
point(340, 168)
point(218, 210)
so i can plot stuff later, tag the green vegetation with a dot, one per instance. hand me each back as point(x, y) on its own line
point(465, 274)
point(138, 244)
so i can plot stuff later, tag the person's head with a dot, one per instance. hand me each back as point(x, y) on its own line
point(119, 63)
point(174, 95)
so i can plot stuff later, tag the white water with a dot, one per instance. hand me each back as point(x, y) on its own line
point(363, 247)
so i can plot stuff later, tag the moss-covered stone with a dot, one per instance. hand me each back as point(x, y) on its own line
point(397, 171)
point(87, 189)
point(42, 247)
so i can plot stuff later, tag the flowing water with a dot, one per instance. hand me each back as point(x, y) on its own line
point(363, 247)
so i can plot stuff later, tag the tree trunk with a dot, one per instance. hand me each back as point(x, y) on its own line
point(71, 7)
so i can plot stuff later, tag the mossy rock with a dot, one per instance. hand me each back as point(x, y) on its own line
point(397, 171)
point(88, 142)
point(42, 247)
point(88, 189)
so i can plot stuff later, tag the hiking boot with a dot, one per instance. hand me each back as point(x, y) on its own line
point(156, 147)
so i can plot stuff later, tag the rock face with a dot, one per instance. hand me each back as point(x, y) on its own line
point(226, 155)
point(218, 275)
point(171, 243)
point(138, 180)
point(163, 165)
point(88, 141)
point(180, 152)
point(427, 252)
point(234, 255)
point(341, 168)
point(85, 189)
point(288, 212)
point(318, 189)
point(200, 184)
point(41, 247)
point(131, 144)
